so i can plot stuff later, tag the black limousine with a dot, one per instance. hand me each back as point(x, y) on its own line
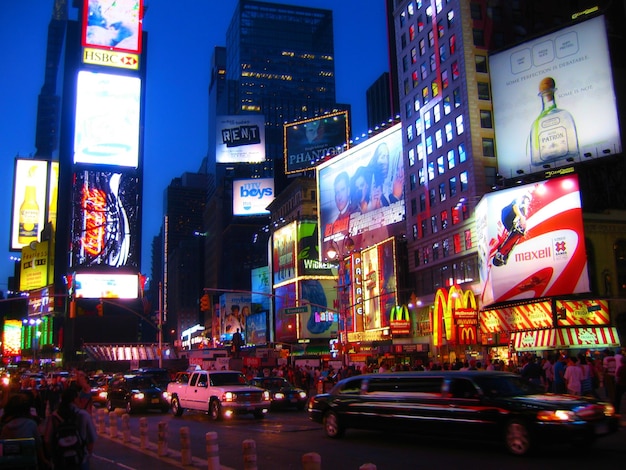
point(460, 404)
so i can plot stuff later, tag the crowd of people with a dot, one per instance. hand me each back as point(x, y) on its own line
point(44, 409)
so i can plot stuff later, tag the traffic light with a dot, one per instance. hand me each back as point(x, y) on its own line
point(205, 303)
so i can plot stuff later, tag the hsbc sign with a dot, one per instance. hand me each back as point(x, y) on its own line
point(122, 60)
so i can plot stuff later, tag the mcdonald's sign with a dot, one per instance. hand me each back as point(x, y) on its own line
point(447, 303)
point(400, 320)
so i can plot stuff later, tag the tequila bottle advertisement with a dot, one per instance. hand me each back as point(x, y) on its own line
point(105, 224)
point(553, 100)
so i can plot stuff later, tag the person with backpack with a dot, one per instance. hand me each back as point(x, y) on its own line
point(70, 433)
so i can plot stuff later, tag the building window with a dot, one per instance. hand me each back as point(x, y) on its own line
point(442, 192)
point(411, 34)
point(441, 168)
point(411, 157)
point(444, 219)
point(402, 18)
point(406, 87)
point(412, 182)
point(456, 73)
point(447, 105)
point(452, 185)
point(479, 37)
point(457, 97)
point(433, 63)
point(425, 256)
point(438, 138)
point(420, 174)
point(405, 63)
point(435, 251)
point(456, 241)
point(413, 55)
point(422, 202)
point(476, 12)
point(424, 70)
point(443, 54)
point(408, 109)
point(485, 119)
point(425, 95)
point(431, 196)
point(456, 214)
point(431, 171)
point(413, 207)
point(420, 24)
point(468, 239)
point(427, 120)
point(422, 46)
point(431, 38)
point(429, 145)
point(459, 124)
point(437, 112)
point(445, 247)
point(452, 44)
point(481, 63)
point(450, 18)
point(420, 151)
point(463, 178)
point(417, 103)
point(462, 155)
point(411, 9)
point(434, 86)
point(440, 30)
point(414, 232)
point(415, 78)
point(444, 81)
point(423, 227)
point(483, 91)
point(403, 40)
point(409, 132)
point(488, 149)
point(416, 257)
point(451, 163)
point(490, 176)
point(449, 134)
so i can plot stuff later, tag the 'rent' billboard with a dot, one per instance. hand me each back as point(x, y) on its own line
point(531, 242)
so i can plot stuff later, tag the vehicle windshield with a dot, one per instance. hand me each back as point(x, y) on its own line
point(142, 382)
point(274, 383)
point(235, 378)
point(510, 386)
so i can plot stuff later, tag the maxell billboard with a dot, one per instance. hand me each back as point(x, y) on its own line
point(251, 197)
point(361, 192)
point(553, 100)
point(308, 142)
point(531, 242)
point(240, 139)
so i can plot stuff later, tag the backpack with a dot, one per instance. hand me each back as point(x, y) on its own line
point(68, 447)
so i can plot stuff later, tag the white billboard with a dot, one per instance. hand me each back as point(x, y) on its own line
point(553, 100)
point(252, 196)
point(240, 139)
point(107, 119)
point(106, 286)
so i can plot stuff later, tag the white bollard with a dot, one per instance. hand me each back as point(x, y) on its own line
point(113, 425)
point(312, 461)
point(101, 421)
point(162, 439)
point(143, 433)
point(249, 455)
point(212, 451)
point(185, 446)
point(126, 427)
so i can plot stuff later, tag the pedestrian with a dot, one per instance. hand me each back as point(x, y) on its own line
point(608, 367)
point(70, 411)
point(560, 366)
point(548, 372)
point(620, 383)
point(18, 422)
point(573, 376)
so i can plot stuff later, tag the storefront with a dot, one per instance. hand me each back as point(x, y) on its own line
point(581, 338)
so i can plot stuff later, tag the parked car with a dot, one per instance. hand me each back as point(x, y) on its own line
point(463, 405)
point(134, 393)
point(282, 393)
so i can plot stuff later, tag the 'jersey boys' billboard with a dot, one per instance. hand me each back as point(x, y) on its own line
point(531, 242)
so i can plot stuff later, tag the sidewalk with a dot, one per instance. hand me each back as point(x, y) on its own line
point(110, 453)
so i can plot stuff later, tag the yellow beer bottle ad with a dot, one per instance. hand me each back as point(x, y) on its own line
point(29, 212)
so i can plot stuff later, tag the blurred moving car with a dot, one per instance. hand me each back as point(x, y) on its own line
point(134, 393)
point(481, 405)
point(282, 393)
point(99, 385)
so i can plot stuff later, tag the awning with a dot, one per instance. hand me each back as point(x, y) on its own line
point(564, 338)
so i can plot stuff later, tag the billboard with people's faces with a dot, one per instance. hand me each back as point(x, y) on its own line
point(361, 193)
point(553, 100)
point(531, 242)
point(309, 141)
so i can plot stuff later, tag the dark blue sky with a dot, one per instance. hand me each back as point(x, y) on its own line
point(182, 36)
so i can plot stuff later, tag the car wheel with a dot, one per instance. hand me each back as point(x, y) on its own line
point(258, 414)
point(110, 406)
point(215, 410)
point(517, 438)
point(177, 410)
point(331, 425)
point(129, 407)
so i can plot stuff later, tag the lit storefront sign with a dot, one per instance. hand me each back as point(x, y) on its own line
point(456, 328)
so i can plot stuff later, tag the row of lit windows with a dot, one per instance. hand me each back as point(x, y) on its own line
point(454, 273)
point(458, 243)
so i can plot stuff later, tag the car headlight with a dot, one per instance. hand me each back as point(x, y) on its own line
point(266, 395)
point(5, 381)
point(609, 410)
point(229, 396)
point(139, 396)
point(279, 396)
point(102, 395)
point(556, 415)
point(302, 395)
point(166, 395)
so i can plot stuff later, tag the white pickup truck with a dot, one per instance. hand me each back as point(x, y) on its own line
point(221, 393)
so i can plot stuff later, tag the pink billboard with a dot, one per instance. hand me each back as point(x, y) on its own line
point(531, 242)
point(113, 24)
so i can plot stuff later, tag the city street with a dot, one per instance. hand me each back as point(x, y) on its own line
point(282, 438)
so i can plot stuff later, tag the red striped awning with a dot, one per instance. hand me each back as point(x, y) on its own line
point(534, 340)
point(589, 337)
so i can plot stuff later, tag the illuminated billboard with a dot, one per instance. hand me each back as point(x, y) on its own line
point(112, 24)
point(252, 196)
point(234, 311)
point(107, 119)
point(240, 139)
point(12, 338)
point(361, 192)
point(531, 242)
point(308, 257)
point(554, 101)
point(34, 266)
point(106, 286)
point(106, 221)
point(379, 284)
point(29, 201)
point(307, 142)
point(318, 321)
point(284, 253)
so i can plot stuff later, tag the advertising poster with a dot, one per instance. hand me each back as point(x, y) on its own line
point(11, 338)
point(252, 196)
point(379, 285)
point(106, 220)
point(256, 328)
point(318, 322)
point(34, 267)
point(531, 242)
point(234, 311)
point(106, 286)
point(29, 201)
point(261, 288)
point(309, 263)
point(361, 192)
point(107, 119)
point(112, 24)
point(240, 139)
point(286, 325)
point(284, 253)
point(308, 142)
point(554, 101)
